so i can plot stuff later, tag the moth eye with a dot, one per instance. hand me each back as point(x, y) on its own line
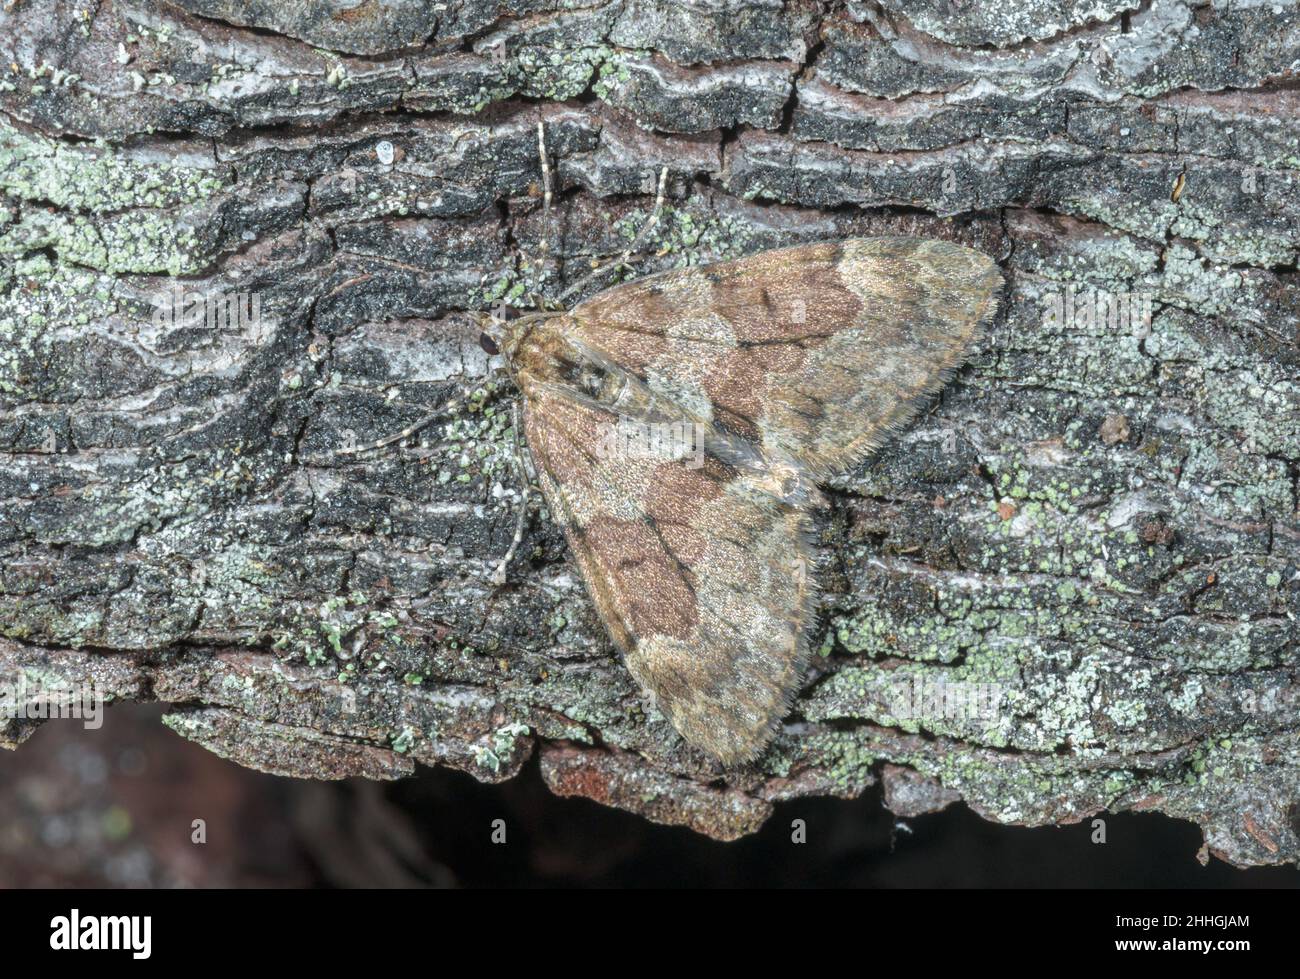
point(488, 344)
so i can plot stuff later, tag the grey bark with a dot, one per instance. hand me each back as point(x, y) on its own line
point(1097, 520)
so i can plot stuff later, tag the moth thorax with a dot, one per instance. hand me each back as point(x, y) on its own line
point(526, 340)
point(596, 381)
point(546, 354)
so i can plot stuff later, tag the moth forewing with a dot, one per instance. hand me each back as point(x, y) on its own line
point(693, 569)
point(815, 352)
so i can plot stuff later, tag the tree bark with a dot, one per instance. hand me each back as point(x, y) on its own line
point(1097, 520)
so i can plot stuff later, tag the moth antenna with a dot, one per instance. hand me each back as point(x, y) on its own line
point(499, 575)
point(635, 243)
point(407, 432)
point(548, 191)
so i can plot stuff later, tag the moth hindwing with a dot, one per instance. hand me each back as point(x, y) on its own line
point(678, 425)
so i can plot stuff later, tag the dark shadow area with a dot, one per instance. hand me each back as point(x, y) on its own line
point(117, 807)
point(853, 843)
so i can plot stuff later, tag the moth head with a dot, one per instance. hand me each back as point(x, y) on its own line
point(502, 329)
point(497, 329)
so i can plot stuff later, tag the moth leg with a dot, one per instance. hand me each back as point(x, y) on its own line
point(636, 242)
point(499, 575)
point(527, 472)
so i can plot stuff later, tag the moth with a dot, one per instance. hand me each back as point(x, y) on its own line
point(678, 426)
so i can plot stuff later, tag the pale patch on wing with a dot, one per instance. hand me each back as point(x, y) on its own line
point(683, 388)
point(696, 345)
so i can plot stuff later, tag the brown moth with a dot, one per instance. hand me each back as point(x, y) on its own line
point(783, 367)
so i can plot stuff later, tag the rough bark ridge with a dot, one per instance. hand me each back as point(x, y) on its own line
point(1099, 516)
